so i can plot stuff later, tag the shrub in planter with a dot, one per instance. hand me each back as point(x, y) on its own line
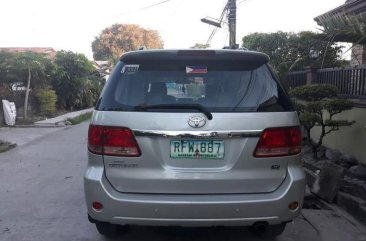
point(47, 99)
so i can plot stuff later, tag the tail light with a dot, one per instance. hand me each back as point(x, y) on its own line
point(274, 142)
point(112, 141)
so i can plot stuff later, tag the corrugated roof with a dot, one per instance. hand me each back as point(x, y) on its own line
point(350, 7)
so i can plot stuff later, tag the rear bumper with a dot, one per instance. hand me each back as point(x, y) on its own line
point(193, 210)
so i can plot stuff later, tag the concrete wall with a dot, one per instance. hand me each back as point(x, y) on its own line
point(358, 55)
point(348, 140)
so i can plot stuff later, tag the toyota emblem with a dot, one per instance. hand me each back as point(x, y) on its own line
point(197, 121)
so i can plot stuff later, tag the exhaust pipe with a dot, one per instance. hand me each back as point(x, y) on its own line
point(259, 228)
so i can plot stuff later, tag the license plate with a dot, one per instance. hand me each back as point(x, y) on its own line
point(197, 149)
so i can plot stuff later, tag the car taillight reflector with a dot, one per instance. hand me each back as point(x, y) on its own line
point(97, 205)
point(113, 141)
point(95, 139)
point(283, 141)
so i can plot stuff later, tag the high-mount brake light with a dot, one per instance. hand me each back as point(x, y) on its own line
point(192, 53)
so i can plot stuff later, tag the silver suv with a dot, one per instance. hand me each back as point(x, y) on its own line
point(194, 138)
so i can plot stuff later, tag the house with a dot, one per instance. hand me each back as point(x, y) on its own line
point(348, 9)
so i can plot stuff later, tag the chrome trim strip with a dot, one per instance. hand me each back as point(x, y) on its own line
point(198, 134)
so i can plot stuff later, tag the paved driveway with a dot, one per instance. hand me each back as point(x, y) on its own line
point(41, 198)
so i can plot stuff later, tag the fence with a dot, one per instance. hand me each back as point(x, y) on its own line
point(297, 78)
point(350, 81)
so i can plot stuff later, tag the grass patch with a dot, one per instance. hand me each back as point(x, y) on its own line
point(80, 118)
point(21, 121)
point(5, 146)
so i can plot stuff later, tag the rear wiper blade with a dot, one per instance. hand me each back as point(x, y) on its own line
point(178, 106)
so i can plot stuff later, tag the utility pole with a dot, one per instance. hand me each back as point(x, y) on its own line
point(232, 23)
point(230, 12)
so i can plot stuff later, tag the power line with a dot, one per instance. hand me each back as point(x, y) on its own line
point(146, 7)
point(214, 30)
point(162, 21)
point(242, 1)
point(227, 35)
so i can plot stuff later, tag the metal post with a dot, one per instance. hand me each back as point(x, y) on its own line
point(232, 23)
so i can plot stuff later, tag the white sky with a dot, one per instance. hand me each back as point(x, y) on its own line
point(73, 25)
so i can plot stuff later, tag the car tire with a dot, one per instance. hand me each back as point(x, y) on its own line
point(110, 230)
point(269, 230)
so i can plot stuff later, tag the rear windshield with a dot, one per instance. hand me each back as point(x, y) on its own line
point(219, 87)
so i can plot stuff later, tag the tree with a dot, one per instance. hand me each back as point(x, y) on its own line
point(120, 38)
point(30, 66)
point(91, 91)
point(318, 109)
point(47, 101)
point(6, 74)
point(201, 46)
point(291, 50)
point(29, 70)
point(70, 78)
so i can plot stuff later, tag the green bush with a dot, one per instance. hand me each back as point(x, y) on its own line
point(47, 99)
point(314, 92)
point(80, 118)
point(91, 92)
point(317, 108)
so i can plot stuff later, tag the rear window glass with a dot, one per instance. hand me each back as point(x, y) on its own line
point(220, 87)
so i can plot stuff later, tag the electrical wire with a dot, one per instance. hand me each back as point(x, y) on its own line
point(242, 1)
point(226, 37)
point(223, 15)
point(173, 13)
point(146, 7)
point(214, 30)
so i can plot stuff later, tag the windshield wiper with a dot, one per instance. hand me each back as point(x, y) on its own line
point(178, 106)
